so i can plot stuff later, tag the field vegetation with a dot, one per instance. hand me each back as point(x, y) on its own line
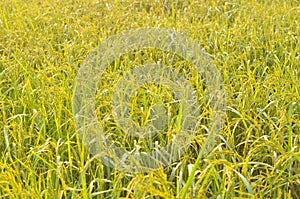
point(255, 45)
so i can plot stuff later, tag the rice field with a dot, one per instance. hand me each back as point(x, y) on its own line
point(255, 46)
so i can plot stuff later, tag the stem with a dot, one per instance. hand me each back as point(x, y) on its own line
point(196, 165)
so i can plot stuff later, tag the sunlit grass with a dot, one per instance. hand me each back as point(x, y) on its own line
point(254, 44)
